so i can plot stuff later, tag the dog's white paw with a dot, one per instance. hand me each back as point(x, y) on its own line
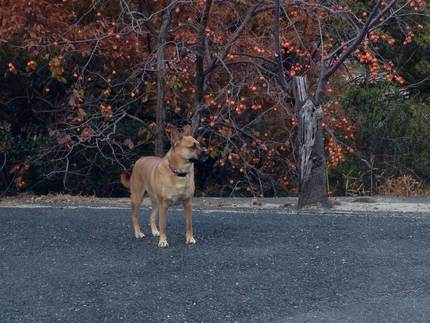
point(155, 233)
point(139, 235)
point(163, 244)
point(190, 240)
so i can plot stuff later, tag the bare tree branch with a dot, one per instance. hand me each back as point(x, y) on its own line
point(372, 19)
point(278, 54)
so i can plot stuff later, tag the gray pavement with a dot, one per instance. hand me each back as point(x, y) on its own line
point(83, 265)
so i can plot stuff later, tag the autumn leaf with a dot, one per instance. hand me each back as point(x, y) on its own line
point(56, 70)
point(76, 97)
point(129, 143)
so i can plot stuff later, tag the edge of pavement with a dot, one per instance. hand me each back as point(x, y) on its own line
point(419, 204)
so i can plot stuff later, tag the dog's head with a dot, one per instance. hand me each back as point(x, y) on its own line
point(185, 146)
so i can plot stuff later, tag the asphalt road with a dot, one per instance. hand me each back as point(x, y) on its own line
point(84, 265)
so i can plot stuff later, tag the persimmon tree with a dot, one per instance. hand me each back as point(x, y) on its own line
point(335, 37)
point(105, 80)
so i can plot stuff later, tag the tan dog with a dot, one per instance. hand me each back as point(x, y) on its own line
point(167, 180)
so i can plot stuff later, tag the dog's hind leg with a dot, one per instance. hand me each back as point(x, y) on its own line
point(136, 200)
point(153, 219)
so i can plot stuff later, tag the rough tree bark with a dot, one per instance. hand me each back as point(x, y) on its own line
point(312, 179)
point(160, 113)
point(312, 164)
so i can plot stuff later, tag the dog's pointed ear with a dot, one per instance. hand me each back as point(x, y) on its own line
point(188, 131)
point(175, 136)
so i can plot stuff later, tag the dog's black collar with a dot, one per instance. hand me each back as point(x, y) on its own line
point(176, 172)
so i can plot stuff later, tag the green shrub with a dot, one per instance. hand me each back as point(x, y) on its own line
point(392, 139)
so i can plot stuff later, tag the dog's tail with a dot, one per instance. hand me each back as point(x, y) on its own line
point(125, 179)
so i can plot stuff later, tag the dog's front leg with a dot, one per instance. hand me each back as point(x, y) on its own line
point(188, 209)
point(162, 213)
point(153, 219)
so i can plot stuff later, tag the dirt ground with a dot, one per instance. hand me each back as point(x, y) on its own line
point(341, 204)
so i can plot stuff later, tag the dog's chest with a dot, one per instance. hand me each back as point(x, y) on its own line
point(181, 190)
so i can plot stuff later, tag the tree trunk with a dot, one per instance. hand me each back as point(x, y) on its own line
point(160, 113)
point(200, 72)
point(312, 165)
